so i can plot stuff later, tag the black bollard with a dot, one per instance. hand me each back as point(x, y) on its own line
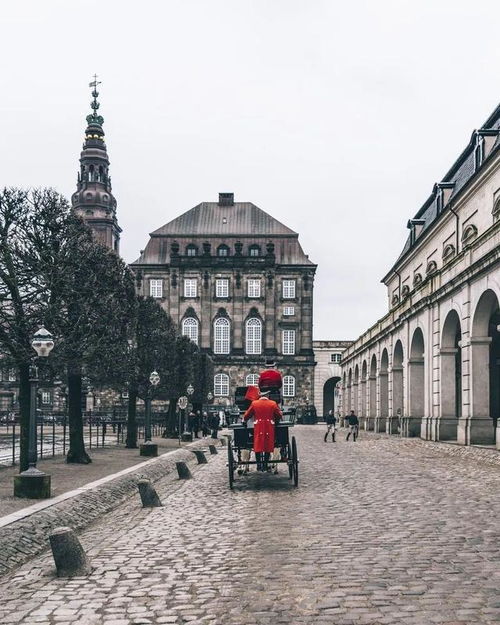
point(149, 496)
point(223, 442)
point(213, 450)
point(69, 556)
point(200, 456)
point(183, 471)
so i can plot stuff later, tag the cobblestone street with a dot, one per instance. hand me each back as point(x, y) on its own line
point(381, 531)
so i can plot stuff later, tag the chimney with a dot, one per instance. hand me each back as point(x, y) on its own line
point(226, 199)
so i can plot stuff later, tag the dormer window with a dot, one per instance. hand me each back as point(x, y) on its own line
point(415, 226)
point(431, 267)
point(469, 234)
point(254, 250)
point(223, 250)
point(439, 201)
point(448, 252)
point(191, 250)
point(478, 152)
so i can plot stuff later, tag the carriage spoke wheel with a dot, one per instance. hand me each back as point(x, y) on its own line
point(295, 462)
point(230, 464)
point(290, 460)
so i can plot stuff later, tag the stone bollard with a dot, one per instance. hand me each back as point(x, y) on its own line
point(69, 556)
point(149, 496)
point(223, 442)
point(200, 456)
point(213, 450)
point(183, 471)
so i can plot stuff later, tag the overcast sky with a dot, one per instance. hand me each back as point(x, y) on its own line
point(335, 117)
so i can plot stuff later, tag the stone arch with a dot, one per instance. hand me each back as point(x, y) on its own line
point(397, 386)
point(416, 385)
point(372, 394)
point(384, 391)
point(355, 384)
point(450, 375)
point(330, 397)
point(349, 391)
point(362, 406)
point(485, 369)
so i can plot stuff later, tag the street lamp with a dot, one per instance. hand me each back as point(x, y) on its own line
point(33, 483)
point(209, 396)
point(149, 448)
point(187, 435)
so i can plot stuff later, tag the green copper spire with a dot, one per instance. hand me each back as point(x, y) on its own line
point(94, 118)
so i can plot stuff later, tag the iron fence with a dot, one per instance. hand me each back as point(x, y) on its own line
point(99, 430)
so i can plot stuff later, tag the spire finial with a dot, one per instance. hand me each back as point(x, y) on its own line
point(94, 118)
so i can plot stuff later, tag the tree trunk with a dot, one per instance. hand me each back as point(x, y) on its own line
point(24, 405)
point(76, 453)
point(171, 421)
point(131, 442)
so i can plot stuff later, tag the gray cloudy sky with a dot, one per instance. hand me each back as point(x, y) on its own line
point(335, 117)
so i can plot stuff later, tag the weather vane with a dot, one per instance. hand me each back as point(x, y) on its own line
point(95, 104)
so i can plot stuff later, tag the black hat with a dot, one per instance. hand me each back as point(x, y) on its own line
point(270, 362)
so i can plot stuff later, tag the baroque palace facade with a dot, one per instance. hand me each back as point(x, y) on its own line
point(431, 366)
point(237, 282)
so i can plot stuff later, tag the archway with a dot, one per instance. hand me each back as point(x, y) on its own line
point(329, 397)
point(355, 403)
point(485, 370)
point(416, 382)
point(372, 393)
point(450, 377)
point(362, 394)
point(349, 392)
point(384, 392)
point(397, 387)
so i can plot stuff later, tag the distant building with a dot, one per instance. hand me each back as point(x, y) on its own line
point(237, 282)
point(327, 375)
point(431, 366)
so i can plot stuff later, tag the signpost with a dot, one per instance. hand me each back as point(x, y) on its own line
point(182, 403)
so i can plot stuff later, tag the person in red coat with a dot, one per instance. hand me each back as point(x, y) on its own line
point(265, 413)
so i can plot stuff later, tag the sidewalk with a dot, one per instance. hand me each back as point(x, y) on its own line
point(67, 477)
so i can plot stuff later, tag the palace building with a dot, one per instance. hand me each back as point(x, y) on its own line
point(431, 366)
point(237, 282)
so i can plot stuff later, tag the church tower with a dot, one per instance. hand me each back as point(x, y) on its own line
point(93, 200)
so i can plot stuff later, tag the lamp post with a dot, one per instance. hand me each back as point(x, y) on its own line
point(187, 434)
point(148, 448)
point(32, 483)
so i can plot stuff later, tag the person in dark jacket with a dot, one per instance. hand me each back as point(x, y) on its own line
point(213, 424)
point(353, 423)
point(331, 422)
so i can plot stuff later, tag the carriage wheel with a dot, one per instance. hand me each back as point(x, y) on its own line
point(230, 464)
point(295, 462)
point(290, 461)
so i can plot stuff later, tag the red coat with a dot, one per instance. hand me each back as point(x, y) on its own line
point(265, 413)
point(270, 378)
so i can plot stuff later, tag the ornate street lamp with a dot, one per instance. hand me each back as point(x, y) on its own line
point(33, 483)
point(209, 396)
point(187, 434)
point(148, 448)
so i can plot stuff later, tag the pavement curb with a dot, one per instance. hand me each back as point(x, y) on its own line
point(24, 534)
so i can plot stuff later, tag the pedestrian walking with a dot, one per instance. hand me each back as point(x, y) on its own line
point(204, 424)
point(213, 424)
point(353, 423)
point(331, 423)
point(196, 423)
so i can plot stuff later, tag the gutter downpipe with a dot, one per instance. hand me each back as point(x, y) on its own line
point(457, 218)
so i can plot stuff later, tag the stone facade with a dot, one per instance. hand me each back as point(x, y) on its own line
point(431, 366)
point(237, 282)
point(327, 375)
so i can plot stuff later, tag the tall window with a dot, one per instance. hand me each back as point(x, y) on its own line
point(46, 397)
point(222, 288)
point(288, 386)
point(222, 330)
point(253, 336)
point(190, 328)
point(289, 342)
point(156, 288)
point(288, 311)
point(191, 250)
point(288, 289)
point(252, 379)
point(254, 288)
point(221, 384)
point(223, 250)
point(335, 358)
point(190, 287)
point(254, 250)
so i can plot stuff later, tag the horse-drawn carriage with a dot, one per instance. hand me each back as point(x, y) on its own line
point(241, 441)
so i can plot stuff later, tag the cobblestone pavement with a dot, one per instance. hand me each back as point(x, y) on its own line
point(380, 531)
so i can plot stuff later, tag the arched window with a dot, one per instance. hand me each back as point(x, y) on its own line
point(222, 330)
point(288, 386)
point(253, 336)
point(190, 328)
point(431, 267)
point(252, 379)
point(191, 250)
point(254, 250)
point(221, 384)
point(405, 291)
point(223, 250)
point(448, 252)
point(469, 234)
